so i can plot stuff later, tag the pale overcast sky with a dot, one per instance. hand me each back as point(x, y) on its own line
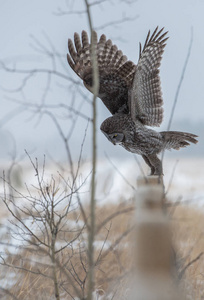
point(23, 21)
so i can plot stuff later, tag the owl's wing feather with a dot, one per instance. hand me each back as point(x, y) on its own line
point(146, 95)
point(116, 73)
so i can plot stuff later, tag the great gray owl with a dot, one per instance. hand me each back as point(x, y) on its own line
point(132, 93)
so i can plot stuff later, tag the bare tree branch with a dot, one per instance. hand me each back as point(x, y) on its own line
point(94, 159)
point(181, 80)
point(189, 264)
point(116, 22)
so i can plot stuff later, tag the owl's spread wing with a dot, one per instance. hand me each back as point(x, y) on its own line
point(146, 96)
point(116, 73)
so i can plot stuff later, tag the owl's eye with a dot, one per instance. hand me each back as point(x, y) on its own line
point(115, 138)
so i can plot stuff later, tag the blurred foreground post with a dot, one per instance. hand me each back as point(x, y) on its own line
point(153, 267)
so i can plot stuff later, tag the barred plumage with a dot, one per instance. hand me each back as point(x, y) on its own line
point(132, 93)
point(115, 72)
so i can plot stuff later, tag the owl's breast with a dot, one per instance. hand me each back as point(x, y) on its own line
point(132, 147)
point(143, 141)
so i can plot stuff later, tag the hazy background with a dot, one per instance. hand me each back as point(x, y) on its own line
point(32, 30)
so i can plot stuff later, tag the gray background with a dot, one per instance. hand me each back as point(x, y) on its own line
point(22, 22)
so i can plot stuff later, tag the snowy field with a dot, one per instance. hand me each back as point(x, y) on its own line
point(116, 179)
point(184, 178)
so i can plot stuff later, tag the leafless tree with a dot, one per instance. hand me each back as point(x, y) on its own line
point(49, 248)
point(55, 254)
point(49, 237)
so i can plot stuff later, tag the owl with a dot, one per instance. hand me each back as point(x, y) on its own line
point(132, 94)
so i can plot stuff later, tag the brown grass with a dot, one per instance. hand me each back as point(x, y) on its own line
point(113, 257)
point(188, 235)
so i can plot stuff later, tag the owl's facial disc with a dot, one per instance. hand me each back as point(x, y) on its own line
point(114, 138)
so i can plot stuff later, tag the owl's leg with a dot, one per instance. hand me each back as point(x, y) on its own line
point(149, 164)
point(156, 162)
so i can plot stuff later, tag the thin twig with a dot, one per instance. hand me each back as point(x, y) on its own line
point(189, 264)
point(122, 176)
point(181, 81)
point(179, 87)
point(116, 22)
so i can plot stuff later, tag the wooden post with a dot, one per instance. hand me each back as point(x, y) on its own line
point(154, 269)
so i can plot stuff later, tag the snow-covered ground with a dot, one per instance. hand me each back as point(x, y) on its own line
point(188, 179)
point(183, 179)
point(117, 179)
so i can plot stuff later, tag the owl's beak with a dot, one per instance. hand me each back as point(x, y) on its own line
point(110, 140)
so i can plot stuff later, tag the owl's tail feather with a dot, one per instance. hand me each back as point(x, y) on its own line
point(176, 139)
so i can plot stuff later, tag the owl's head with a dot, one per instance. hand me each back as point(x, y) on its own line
point(115, 138)
point(115, 128)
